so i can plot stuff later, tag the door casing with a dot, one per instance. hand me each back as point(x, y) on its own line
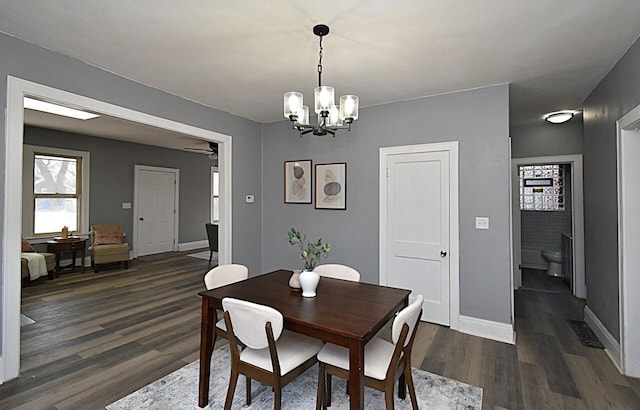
point(11, 229)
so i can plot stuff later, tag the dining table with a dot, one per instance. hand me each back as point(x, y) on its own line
point(343, 312)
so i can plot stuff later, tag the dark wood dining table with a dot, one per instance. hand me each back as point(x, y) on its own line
point(345, 313)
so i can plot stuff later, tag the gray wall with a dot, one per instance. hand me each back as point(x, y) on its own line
point(477, 118)
point(112, 178)
point(32, 63)
point(616, 95)
point(545, 139)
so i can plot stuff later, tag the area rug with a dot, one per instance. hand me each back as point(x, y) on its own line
point(179, 390)
point(204, 255)
point(26, 320)
point(586, 336)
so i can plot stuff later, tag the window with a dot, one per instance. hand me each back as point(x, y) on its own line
point(541, 187)
point(55, 191)
point(215, 195)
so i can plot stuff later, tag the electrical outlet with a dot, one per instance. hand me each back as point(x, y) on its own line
point(482, 222)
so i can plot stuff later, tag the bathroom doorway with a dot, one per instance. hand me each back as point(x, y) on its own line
point(549, 228)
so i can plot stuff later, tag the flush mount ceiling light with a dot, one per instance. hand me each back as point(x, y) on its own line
point(330, 117)
point(559, 117)
point(50, 108)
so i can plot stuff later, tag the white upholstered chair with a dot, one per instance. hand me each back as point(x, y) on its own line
point(272, 355)
point(384, 362)
point(336, 271)
point(221, 276)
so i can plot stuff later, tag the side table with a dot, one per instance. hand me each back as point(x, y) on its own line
point(71, 245)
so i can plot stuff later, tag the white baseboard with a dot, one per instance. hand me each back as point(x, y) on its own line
point(188, 246)
point(501, 332)
point(611, 345)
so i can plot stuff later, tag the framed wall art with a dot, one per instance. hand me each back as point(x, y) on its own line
point(297, 182)
point(331, 186)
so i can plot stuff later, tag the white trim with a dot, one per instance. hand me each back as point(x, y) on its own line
point(27, 181)
point(12, 228)
point(176, 203)
point(501, 332)
point(188, 246)
point(577, 216)
point(627, 148)
point(611, 345)
point(454, 240)
point(511, 253)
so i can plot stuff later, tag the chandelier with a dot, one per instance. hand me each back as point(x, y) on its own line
point(330, 117)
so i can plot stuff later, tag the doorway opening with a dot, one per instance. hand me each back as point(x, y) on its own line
point(17, 89)
point(574, 167)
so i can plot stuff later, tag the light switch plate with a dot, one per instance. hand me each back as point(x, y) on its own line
point(482, 222)
point(249, 199)
point(126, 205)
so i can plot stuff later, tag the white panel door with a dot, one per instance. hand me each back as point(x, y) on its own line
point(418, 229)
point(156, 211)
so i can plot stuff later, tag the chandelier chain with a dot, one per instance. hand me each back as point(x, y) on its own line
point(320, 65)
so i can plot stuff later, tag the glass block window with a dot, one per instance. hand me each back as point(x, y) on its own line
point(541, 187)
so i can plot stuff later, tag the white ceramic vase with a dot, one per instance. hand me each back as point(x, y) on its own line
point(309, 281)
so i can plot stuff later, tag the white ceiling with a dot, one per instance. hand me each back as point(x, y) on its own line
point(241, 56)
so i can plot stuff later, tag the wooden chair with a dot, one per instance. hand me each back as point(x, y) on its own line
point(384, 362)
point(272, 356)
point(212, 236)
point(221, 276)
point(336, 271)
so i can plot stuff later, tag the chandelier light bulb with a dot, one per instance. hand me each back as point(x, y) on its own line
point(349, 107)
point(303, 115)
point(334, 116)
point(324, 97)
point(292, 103)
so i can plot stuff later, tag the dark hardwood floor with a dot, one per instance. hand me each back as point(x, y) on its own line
point(548, 368)
point(99, 337)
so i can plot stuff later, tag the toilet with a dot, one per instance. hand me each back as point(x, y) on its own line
point(554, 258)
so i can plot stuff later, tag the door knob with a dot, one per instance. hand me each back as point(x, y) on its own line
point(443, 253)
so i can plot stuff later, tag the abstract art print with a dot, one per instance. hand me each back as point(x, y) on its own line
point(331, 186)
point(297, 182)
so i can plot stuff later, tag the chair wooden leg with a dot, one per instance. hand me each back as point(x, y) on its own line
point(126, 264)
point(402, 387)
point(210, 256)
point(248, 389)
point(96, 269)
point(277, 397)
point(327, 397)
point(231, 390)
point(388, 394)
point(412, 390)
point(321, 386)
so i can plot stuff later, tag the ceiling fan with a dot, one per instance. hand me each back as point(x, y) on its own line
point(212, 151)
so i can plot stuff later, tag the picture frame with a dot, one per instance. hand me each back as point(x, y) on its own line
point(298, 181)
point(331, 186)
